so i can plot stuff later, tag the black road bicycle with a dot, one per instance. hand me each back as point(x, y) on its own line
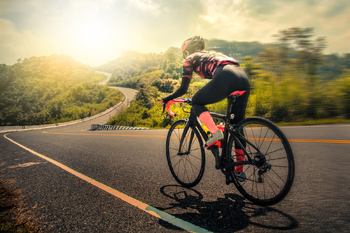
point(269, 161)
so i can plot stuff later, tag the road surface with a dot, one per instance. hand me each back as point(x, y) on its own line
point(118, 181)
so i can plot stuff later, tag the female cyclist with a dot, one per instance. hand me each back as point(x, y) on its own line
point(226, 77)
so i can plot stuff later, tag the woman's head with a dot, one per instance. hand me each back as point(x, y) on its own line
point(191, 45)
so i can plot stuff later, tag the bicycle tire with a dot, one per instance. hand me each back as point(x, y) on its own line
point(186, 166)
point(271, 176)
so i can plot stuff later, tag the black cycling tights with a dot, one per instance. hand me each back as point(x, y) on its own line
point(227, 79)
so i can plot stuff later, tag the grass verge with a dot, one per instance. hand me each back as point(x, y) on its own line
point(316, 122)
point(15, 216)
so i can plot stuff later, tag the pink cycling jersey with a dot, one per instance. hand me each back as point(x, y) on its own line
point(204, 64)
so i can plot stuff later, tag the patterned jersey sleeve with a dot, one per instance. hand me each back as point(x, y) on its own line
point(188, 67)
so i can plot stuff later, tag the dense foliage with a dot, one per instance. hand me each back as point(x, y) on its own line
point(52, 89)
point(137, 70)
point(292, 80)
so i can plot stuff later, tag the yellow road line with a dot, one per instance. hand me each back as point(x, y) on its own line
point(142, 206)
point(320, 141)
point(163, 136)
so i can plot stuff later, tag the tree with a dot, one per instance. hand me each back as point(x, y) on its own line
point(250, 68)
point(143, 98)
point(297, 41)
point(171, 55)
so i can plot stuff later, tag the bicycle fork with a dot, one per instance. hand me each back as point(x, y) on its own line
point(183, 137)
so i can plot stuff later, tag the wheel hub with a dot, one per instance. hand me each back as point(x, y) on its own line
point(261, 163)
point(259, 160)
point(183, 153)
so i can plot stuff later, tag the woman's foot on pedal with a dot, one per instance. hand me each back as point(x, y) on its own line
point(214, 139)
point(241, 176)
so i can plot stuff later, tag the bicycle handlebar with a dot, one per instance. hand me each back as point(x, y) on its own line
point(171, 113)
point(189, 101)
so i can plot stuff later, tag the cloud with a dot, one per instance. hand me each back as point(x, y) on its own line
point(168, 24)
point(250, 20)
point(15, 44)
point(95, 31)
point(147, 5)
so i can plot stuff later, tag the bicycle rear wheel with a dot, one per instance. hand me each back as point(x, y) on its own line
point(186, 160)
point(270, 175)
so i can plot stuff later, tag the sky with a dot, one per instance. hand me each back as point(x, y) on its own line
point(95, 32)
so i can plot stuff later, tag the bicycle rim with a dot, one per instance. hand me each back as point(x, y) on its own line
point(270, 176)
point(186, 163)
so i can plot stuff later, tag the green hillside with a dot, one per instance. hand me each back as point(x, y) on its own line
point(41, 90)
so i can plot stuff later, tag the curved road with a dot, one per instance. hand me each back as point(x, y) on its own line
point(101, 118)
point(118, 181)
point(128, 93)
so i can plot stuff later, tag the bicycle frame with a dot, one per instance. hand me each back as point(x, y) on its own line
point(229, 128)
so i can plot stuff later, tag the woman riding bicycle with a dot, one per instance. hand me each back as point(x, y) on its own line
point(226, 77)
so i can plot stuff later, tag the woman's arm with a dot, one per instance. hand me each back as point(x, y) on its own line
point(185, 83)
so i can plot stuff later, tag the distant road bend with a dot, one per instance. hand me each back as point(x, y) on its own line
point(128, 93)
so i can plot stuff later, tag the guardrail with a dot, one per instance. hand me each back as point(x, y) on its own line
point(9, 129)
point(115, 127)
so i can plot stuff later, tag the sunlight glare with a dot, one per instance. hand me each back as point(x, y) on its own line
point(94, 37)
point(92, 34)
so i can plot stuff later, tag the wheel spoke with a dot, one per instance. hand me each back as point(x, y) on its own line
point(274, 151)
point(270, 144)
point(178, 162)
point(280, 166)
point(267, 180)
point(277, 174)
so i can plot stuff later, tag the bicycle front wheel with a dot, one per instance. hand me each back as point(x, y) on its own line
point(185, 154)
point(269, 176)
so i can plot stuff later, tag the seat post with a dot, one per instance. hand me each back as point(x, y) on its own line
point(230, 101)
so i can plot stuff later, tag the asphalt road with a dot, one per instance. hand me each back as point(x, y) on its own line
point(118, 181)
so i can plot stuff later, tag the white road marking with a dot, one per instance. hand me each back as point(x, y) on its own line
point(147, 208)
point(25, 165)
